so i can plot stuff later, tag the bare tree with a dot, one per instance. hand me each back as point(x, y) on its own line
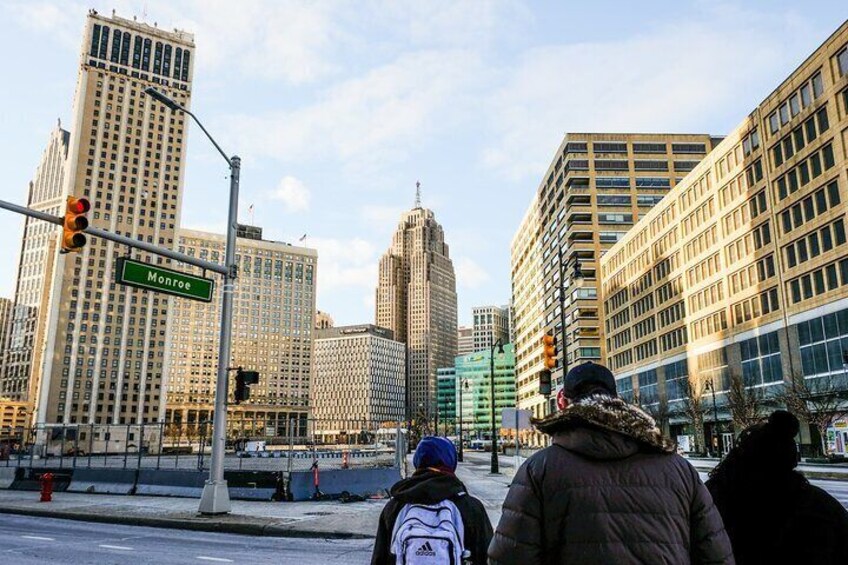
point(819, 404)
point(693, 407)
point(745, 404)
point(659, 410)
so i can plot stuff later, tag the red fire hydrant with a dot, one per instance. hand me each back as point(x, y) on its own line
point(344, 460)
point(47, 487)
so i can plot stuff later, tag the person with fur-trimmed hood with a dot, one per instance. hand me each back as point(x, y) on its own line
point(610, 489)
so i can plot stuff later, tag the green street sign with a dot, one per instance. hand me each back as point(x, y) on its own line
point(149, 277)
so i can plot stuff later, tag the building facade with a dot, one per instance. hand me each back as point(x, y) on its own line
point(105, 353)
point(446, 409)
point(738, 280)
point(357, 380)
point(474, 373)
point(596, 187)
point(23, 346)
point(416, 299)
point(491, 324)
point(464, 340)
point(323, 321)
point(273, 318)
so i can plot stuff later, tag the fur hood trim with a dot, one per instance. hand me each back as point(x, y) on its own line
point(608, 413)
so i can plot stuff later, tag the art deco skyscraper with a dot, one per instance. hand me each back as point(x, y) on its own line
point(416, 299)
point(20, 360)
point(104, 349)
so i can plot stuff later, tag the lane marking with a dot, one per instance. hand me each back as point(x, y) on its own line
point(122, 547)
point(40, 538)
point(219, 559)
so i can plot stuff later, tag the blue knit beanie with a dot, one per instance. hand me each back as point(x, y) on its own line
point(435, 453)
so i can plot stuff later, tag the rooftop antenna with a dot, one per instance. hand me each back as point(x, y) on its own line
point(418, 194)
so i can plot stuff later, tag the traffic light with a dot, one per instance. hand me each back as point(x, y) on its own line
point(243, 381)
point(75, 222)
point(549, 352)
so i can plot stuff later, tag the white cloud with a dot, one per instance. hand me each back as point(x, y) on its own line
point(293, 194)
point(469, 274)
point(344, 263)
point(674, 78)
point(381, 215)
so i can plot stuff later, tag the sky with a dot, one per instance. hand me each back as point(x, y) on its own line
point(338, 108)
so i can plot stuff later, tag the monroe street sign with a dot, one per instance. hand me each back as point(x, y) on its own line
point(149, 277)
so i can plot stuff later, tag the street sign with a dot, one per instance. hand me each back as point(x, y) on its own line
point(510, 420)
point(150, 277)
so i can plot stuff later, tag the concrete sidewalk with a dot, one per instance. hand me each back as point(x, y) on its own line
point(832, 472)
point(330, 519)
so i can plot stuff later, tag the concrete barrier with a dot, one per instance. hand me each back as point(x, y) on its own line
point(170, 483)
point(253, 485)
point(30, 479)
point(104, 481)
point(7, 476)
point(333, 482)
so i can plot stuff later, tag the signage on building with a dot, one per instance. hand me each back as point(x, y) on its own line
point(150, 277)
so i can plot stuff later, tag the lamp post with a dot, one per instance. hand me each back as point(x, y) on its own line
point(716, 440)
point(462, 384)
point(500, 349)
point(216, 497)
point(578, 274)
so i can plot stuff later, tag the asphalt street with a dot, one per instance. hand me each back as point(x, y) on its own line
point(25, 540)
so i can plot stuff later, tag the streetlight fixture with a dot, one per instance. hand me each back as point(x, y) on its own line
point(499, 345)
point(710, 385)
point(216, 496)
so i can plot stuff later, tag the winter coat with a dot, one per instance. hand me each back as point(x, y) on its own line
point(609, 490)
point(431, 487)
point(782, 518)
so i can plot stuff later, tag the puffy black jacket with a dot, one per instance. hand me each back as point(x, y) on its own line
point(431, 487)
point(778, 517)
point(609, 490)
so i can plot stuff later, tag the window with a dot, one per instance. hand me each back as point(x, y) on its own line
point(649, 148)
point(824, 345)
point(818, 86)
point(688, 148)
point(842, 61)
point(609, 147)
point(761, 360)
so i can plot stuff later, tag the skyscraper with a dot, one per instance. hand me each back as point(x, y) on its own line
point(464, 340)
point(105, 354)
point(273, 317)
point(22, 354)
point(416, 299)
point(491, 323)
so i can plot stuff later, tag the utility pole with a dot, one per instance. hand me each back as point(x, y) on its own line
point(500, 349)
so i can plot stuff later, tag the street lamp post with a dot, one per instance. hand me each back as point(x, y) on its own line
point(460, 456)
point(500, 349)
point(216, 497)
point(716, 440)
point(564, 332)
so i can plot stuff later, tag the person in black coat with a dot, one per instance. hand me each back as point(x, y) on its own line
point(609, 490)
point(771, 512)
point(434, 481)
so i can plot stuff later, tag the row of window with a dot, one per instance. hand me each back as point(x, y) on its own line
point(812, 206)
point(793, 105)
point(753, 274)
point(756, 306)
point(141, 53)
point(827, 278)
point(709, 325)
point(805, 171)
point(801, 136)
point(815, 243)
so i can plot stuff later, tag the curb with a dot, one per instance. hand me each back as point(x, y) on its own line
point(246, 529)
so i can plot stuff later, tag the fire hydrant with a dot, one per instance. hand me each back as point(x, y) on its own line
point(47, 487)
point(344, 460)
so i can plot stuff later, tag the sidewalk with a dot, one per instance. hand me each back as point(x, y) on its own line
point(330, 520)
point(833, 472)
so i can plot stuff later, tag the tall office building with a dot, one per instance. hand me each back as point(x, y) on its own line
point(595, 188)
point(491, 323)
point(22, 355)
point(416, 299)
point(357, 380)
point(464, 340)
point(740, 272)
point(104, 350)
point(273, 319)
point(446, 403)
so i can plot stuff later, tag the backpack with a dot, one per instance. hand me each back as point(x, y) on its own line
point(429, 534)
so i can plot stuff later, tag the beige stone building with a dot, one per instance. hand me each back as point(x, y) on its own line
point(273, 321)
point(596, 187)
point(323, 320)
point(741, 271)
point(491, 323)
point(23, 347)
point(14, 419)
point(416, 299)
point(104, 349)
point(357, 380)
point(464, 340)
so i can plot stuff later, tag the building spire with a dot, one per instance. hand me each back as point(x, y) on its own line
point(417, 194)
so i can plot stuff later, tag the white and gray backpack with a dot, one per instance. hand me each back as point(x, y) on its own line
point(429, 535)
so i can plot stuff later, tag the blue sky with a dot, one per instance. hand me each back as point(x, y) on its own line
point(338, 108)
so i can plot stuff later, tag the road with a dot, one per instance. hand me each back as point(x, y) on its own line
point(30, 541)
point(837, 489)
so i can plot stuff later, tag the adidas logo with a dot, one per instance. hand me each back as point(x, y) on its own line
point(425, 550)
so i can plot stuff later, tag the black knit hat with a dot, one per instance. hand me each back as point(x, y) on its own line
point(587, 378)
point(772, 443)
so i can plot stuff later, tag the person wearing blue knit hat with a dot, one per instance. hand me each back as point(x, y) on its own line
point(431, 518)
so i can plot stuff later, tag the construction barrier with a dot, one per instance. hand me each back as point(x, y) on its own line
point(254, 485)
point(333, 482)
point(30, 479)
point(7, 476)
point(104, 481)
point(171, 483)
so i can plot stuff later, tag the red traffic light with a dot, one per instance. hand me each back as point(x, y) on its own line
point(79, 206)
point(75, 223)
